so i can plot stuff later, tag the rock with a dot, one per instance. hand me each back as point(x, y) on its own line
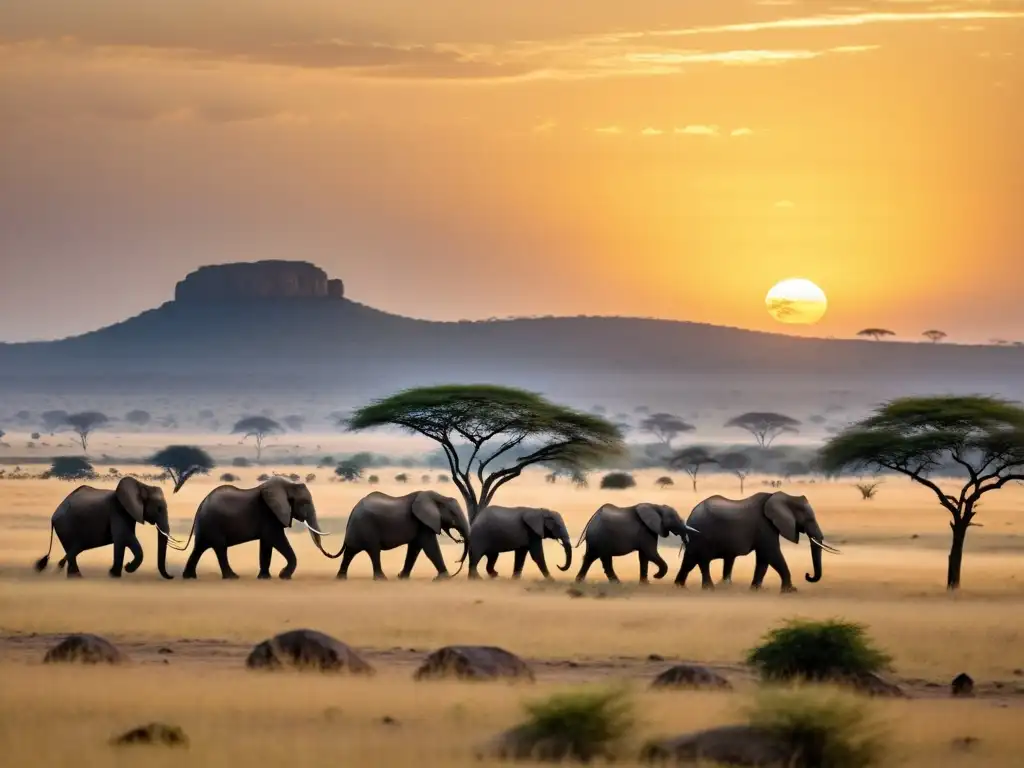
point(165, 650)
point(965, 743)
point(159, 734)
point(691, 676)
point(962, 685)
point(389, 720)
point(728, 745)
point(473, 662)
point(250, 281)
point(875, 685)
point(1018, 672)
point(655, 657)
point(307, 649)
point(522, 743)
point(84, 649)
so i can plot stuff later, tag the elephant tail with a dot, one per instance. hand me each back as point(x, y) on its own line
point(583, 533)
point(42, 561)
point(335, 556)
point(191, 532)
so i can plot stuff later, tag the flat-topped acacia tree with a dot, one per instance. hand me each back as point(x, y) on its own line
point(503, 431)
point(919, 436)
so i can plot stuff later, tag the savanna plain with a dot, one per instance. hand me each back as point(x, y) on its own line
point(188, 640)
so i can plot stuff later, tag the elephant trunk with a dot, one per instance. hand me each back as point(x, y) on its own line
point(563, 536)
point(814, 534)
point(462, 526)
point(162, 537)
point(316, 532)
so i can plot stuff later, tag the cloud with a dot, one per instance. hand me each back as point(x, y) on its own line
point(609, 130)
point(651, 132)
point(741, 132)
point(698, 130)
point(545, 127)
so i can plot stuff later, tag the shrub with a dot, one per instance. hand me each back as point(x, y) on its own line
point(240, 461)
point(817, 651)
point(443, 479)
point(664, 482)
point(618, 481)
point(35, 436)
point(227, 477)
point(310, 478)
point(70, 468)
point(402, 478)
point(263, 478)
point(588, 723)
point(868, 490)
point(826, 729)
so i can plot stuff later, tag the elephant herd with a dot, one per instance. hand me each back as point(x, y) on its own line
point(716, 529)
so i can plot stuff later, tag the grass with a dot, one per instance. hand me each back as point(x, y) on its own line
point(585, 724)
point(817, 651)
point(886, 581)
point(827, 729)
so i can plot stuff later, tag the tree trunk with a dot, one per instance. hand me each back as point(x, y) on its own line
point(956, 553)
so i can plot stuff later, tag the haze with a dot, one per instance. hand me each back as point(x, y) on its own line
point(462, 159)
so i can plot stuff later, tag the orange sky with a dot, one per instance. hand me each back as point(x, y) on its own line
point(458, 158)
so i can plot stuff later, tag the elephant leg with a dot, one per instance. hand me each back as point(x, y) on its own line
point(225, 566)
point(378, 572)
point(609, 571)
point(193, 561)
point(346, 561)
point(706, 582)
point(279, 541)
point(588, 560)
point(73, 570)
point(492, 562)
point(136, 549)
point(727, 564)
point(411, 553)
point(266, 552)
point(537, 555)
point(433, 552)
point(520, 562)
point(778, 564)
point(474, 562)
point(688, 564)
point(118, 564)
point(760, 569)
point(648, 552)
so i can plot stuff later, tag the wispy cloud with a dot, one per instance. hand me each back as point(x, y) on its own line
point(609, 130)
point(741, 132)
point(651, 132)
point(698, 130)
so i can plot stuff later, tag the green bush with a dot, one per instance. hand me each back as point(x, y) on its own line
point(826, 728)
point(817, 651)
point(617, 481)
point(586, 724)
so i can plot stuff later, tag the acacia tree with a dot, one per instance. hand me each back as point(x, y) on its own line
point(349, 470)
point(666, 427)
point(71, 468)
point(876, 333)
point(182, 462)
point(505, 430)
point(54, 420)
point(690, 460)
point(138, 418)
point(258, 427)
point(85, 423)
point(918, 436)
point(294, 422)
point(738, 464)
point(764, 426)
point(934, 335)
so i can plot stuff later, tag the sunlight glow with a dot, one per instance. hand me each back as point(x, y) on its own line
point(796, 301)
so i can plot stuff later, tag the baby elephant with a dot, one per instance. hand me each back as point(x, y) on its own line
point(516, 529)
point(615, 531)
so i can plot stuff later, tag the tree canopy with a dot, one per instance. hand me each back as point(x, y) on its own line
point(349, 470)
point(666, 427)
point(494, 421)
point(182, 462)
point(934, 335)
point(83, 424)
point(690, 460)
point(54, 420)
point(764, 426)
point(876, 333)
point(257, 427)
point(982, 437)
point(138, 418)
point(737, 463)
point(71, 468)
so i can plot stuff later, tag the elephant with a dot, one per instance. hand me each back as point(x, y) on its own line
point(380, 522)
point(516, 529)
point(730, 529)
point(91, 517)
point(615, 531)
point(230, 516)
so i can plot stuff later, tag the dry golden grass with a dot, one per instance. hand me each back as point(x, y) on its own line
point(891, 582)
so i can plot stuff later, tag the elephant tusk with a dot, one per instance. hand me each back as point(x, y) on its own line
point(172, 542)
point(314, 530)
point(691, 529)
point(826, 547)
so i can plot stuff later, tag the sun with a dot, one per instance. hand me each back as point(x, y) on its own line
point(796, 301)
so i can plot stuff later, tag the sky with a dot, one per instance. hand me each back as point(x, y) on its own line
point(463, 159)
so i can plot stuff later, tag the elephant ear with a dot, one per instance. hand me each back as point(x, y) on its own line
point(129, 493)
point(534, 519)
point(425, 509)
point(650, 516)
point(275, 497)
point(777, 510)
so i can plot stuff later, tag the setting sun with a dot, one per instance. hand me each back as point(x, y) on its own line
point(797, 301)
